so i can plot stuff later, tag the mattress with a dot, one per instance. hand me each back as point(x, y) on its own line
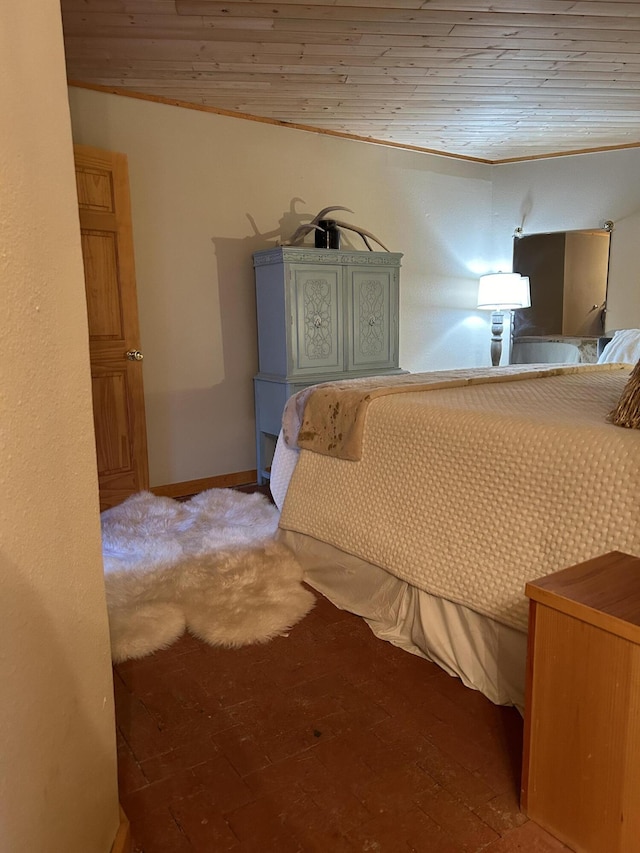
point(467, 493)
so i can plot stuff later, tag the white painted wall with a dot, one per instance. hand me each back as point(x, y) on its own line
point(207, 191)
point(581, 191)
point(58, 789)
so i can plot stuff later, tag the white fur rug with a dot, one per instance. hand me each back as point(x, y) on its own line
point(209, 565)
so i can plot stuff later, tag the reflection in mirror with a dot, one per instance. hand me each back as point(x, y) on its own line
point(568, 276)
point(623, 293)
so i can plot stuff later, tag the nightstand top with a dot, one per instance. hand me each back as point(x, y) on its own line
point(604, 592)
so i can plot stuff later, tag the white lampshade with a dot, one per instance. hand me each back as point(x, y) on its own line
point(503, 291)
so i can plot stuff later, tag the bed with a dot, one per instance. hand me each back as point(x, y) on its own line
point(452, 490)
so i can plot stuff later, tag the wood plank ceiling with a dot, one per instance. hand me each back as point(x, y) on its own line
point(504, 79)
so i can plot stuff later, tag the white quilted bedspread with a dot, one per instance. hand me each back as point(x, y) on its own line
point(470, 492)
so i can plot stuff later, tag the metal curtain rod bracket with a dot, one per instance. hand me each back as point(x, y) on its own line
point(608, 225)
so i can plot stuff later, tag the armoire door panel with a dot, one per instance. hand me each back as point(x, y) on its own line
point(371, 318)
point(318, 341)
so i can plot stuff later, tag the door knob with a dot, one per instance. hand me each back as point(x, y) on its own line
point(134, 355)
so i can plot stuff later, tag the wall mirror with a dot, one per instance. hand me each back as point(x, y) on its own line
point(568, 273)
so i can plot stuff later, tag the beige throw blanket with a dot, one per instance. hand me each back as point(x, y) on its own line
point(329, 418)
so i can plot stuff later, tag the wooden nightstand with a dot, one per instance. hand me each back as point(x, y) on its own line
point(581, 761)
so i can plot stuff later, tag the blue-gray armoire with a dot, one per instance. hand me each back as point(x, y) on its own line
point(323, 315)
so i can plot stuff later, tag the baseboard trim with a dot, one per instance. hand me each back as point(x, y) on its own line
point(123, 842)
point(192, 487)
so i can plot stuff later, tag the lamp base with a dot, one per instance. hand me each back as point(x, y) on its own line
point(497, 325)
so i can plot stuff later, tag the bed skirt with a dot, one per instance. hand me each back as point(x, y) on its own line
point(486, 655)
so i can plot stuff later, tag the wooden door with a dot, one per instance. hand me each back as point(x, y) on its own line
point(114, 340)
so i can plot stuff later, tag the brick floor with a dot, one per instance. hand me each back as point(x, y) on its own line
point(325, 740)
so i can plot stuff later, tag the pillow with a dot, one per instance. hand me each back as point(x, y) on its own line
point(624, 346)
point(627, 412)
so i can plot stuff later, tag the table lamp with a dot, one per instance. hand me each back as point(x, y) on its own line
point(500, 292)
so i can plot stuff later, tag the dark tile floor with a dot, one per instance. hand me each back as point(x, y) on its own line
point(325, 740)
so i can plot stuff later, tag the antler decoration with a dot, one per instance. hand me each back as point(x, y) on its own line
point(364, 234)
point(301, 232)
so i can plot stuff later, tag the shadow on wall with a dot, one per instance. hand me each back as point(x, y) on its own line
point(203, 424)
point(291, 220)
point(200, 429)
point(237, 306)
point(288, 223)
point(236, 287)
point(203, 429)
